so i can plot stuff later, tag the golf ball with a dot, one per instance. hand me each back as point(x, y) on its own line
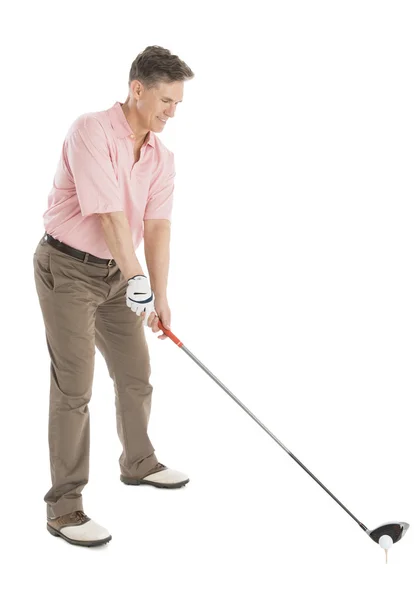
point(385, 542)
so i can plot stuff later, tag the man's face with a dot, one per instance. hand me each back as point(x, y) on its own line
point(156, 105)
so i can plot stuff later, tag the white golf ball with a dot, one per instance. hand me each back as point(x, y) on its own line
point(385, 542)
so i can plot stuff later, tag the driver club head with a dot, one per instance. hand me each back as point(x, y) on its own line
point(395, 529)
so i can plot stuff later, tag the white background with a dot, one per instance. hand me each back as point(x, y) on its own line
point(291, 278)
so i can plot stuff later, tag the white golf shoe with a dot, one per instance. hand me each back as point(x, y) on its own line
point(76, 528)
point(161, 476)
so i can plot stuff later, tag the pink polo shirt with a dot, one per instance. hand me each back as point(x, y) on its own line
point(96, 174)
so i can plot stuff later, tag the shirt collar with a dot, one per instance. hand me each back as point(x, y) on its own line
point(121, 126)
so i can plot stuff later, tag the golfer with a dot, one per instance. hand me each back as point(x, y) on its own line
point(113, 188)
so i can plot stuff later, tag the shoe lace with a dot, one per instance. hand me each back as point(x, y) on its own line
point(79, 515)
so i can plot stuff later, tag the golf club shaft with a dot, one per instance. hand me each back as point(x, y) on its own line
point(169, 334)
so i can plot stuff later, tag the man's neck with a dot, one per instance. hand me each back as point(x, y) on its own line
point(140, 135)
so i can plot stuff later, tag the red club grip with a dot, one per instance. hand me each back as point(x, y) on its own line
point(169, 334)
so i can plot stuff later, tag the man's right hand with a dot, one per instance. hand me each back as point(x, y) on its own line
point(139, 296)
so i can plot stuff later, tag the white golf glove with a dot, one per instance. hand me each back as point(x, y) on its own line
point(139, 296)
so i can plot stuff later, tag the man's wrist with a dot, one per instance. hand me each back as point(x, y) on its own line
point(133, 274)
point(160, 294)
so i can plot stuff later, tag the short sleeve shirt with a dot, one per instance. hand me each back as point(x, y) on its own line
point(96, 174)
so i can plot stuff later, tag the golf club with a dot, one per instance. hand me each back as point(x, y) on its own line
point(385, 535)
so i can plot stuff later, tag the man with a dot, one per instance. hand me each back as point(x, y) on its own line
point(113, 187)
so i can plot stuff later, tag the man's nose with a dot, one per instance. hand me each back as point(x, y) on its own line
point(171, 111)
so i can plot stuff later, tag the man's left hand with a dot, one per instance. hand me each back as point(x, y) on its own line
point(163, 313)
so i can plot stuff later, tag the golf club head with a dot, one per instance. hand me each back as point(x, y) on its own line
point(395, 529)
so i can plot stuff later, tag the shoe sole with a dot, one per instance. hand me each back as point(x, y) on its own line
point(87, 543)
point(170, 486)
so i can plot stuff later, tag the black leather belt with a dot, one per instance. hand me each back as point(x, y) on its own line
point(84, 256)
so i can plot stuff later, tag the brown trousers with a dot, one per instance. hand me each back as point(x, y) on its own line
point(83, 306)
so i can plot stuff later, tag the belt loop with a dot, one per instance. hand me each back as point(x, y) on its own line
point(110, 262)
point(86, 257)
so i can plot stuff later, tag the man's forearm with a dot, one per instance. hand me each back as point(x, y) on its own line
point(118, 237)
point(157, 257)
